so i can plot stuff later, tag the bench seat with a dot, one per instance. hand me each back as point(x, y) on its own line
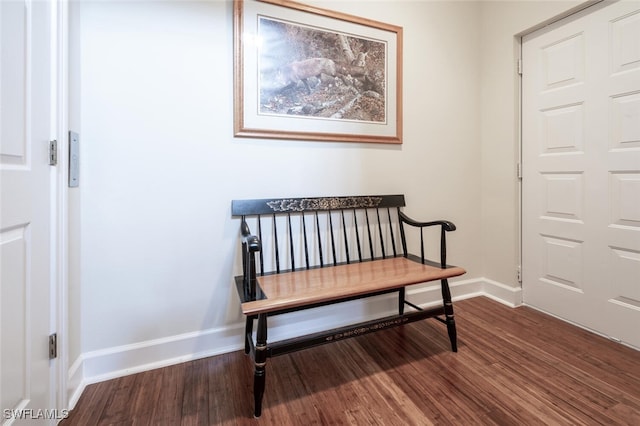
point(307, 287)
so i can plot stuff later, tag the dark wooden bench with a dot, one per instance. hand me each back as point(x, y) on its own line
point(311, 252)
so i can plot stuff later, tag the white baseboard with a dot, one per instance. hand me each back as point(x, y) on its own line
point(105, 364)
point(466, 289)
point(503, 293)
point(96, 366)
point(75, 383)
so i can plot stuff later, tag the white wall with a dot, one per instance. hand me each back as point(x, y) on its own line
point(156, 246)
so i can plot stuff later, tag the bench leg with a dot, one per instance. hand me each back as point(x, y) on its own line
point(260, 364)
point(401, 295)
point(448, 313)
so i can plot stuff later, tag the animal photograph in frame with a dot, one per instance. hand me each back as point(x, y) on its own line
point(307, 73)
point(316, 73)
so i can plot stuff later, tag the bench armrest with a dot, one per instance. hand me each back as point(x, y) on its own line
point(250, 246)
point(445, 226)
point(252, 242)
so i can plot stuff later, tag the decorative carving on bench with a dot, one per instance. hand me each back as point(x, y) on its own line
point(367, 329)
point(323, 203)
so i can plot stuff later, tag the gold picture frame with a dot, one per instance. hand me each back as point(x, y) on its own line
point(306, 73)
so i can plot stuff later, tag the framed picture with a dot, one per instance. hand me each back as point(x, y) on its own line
point(306, 73)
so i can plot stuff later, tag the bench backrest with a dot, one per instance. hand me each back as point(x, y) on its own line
point(299, 233)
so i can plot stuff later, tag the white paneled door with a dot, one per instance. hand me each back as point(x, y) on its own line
point(25, 211)
point(581, 170)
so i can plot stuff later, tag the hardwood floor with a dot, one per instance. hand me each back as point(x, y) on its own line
point(514, 367)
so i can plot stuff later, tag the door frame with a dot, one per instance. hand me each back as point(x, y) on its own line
point(60, 216)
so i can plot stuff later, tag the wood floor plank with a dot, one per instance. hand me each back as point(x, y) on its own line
point(195, 407)
point(91, 404)
point(605, 372)
point(168, 410)
point(514, 366)
point(118, 402)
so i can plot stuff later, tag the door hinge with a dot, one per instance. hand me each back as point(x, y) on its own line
point(53, 346)
point(519, 66)
point(519, 274)
point(53, 153)
point(519, 170)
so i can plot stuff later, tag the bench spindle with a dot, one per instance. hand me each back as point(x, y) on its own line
point(371, 251)
point(261, 251)
point(443, 248)
point(319, 241)
point(291, 246)
point(275, 243)
point(355, 222)
point(333, 241)
point(306, 245)
point(384, 255)
point(422, 244)
point(393, 238)
point(346, 239)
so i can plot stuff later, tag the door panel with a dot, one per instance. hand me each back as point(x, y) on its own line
point(25, 210)
point(581, 169)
